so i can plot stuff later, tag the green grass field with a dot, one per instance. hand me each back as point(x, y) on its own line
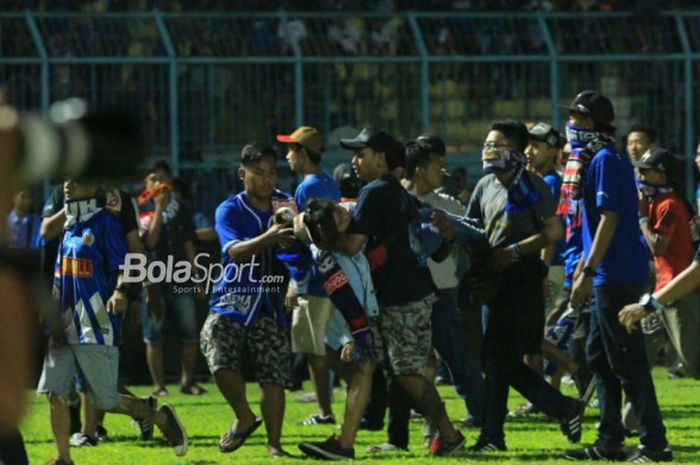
point(532, 440)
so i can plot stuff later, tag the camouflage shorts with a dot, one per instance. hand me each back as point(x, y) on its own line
point(260, 352)
point(406, 334)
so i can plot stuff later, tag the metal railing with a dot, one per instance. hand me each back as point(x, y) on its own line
point(203, 84)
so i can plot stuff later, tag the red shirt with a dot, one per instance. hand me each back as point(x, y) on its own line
point(669, 216)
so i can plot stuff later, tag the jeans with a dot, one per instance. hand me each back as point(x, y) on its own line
point(450, 341)
point(12, 450)
point(619, 362)
point(514, 327)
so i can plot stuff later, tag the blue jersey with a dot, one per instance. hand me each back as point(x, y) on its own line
point(85, 276)
point(316, 186)
point(554, 182)
point(259, 285)
point(610, 185)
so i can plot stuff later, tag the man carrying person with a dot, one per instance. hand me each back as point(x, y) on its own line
point(246, 332)
point(614, 267)
point(405, 291)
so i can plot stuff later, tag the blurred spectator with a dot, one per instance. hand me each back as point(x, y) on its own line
point(23, 225)
point(344, 36)
point(296, 35)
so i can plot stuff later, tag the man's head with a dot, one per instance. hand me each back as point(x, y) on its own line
point(639, 140)
point(543, 150)
point(76, 190)
point(159, 173)
point(593, 111)
point(503, 148)
point(424, 165)
point(376, 153)
point(304, 149)
point(22, 201)
point(258, 170)
point(323, 221)
point(658, 167)
point(347, 181)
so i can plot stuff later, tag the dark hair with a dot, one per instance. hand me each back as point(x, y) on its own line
point(319, 219)
point(417, 155)
point(315, 157)
point(513, 130)
point(256, 151)
point(161, 165)
point(433, 143)
point(650, 133)
point(394, 153)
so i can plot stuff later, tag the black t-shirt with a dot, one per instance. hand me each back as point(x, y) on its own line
point(383, 213)
point(175, 231)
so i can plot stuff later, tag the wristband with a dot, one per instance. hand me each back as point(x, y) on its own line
point(643, 220)
point(588, 271)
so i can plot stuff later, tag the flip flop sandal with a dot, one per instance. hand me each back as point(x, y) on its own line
point(231, 436)
point(386, 447)
point(193, 389)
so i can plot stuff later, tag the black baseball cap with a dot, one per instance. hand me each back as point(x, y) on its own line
point(543, 132)
point(596, 106)
point(659, 159)
point(368, 137)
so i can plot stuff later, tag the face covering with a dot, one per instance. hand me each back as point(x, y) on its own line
point(651, 190)
point(579, 137)
point(81, 210)
point(522, 195)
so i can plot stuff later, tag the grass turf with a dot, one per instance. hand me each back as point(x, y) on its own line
point(530, 440)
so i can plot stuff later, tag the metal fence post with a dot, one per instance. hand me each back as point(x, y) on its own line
point(424, 72)
point(45, 92)
point(298, 72)
point(172, 97)
point(688, 110)
point(553, 69)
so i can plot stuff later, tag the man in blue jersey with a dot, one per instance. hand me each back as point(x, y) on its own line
point(91, 304)
point(614, 267)
point(247, 327)
point(313, 311)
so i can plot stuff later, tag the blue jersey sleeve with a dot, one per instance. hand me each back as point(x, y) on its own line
point(697, 255)
point(228, 226)
point(607, 183)
point(300, 198)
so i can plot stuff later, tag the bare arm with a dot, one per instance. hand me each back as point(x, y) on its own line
point(52, 226)
point(658, 243)
point(551, 232)
point(206, 235)
point(350, 244)
point(683, 284)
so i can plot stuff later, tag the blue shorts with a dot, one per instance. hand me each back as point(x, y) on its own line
point(179, 309)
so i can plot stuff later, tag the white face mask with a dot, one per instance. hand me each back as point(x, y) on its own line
point(79, 211)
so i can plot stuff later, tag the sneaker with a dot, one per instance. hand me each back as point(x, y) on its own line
point(173, 430)
point(523, 410)
point(318, 419)
point(382, 448)
point(585, 384)
point(643, 455)
point(571, 426)
point(443, 448)
point(82, 440)
point(595, 453)
point(146, 426)
point(484, 445)
point(330, 449)
point(369, 426)
point(101, 433)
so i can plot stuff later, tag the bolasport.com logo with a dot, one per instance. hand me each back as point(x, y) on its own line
point(197, 277)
